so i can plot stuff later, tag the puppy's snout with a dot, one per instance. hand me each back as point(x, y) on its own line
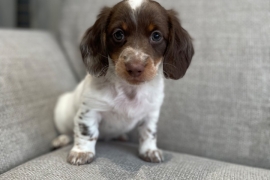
point(135, 69)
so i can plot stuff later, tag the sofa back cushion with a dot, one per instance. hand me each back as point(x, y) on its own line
point(221, 108)
point(33, 73)
point(77, 16)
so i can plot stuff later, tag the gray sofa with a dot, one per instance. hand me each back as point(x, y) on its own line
point(214, 124)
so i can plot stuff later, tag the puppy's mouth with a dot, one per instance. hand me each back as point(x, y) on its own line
point(135, 80)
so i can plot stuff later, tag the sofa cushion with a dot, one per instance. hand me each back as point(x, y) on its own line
point(33, 72)
point(119, 161)
point(77, 17)
point(221, 108)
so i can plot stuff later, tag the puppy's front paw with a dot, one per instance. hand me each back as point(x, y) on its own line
point(80, 158)
point(154, 156)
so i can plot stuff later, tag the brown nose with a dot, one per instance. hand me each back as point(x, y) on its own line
point(134, 69)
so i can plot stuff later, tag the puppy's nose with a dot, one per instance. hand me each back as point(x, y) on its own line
point(134, 69)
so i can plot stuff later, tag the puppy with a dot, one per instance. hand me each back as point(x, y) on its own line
point(127, 52)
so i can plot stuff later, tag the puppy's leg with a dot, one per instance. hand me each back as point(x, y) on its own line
point(85, 137)
point(148, 150)
point(64, 113)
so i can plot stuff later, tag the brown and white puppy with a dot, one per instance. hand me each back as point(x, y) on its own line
point(128, 52)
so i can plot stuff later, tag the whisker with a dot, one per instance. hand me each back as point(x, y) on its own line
point(166, 74)
point(102, 70)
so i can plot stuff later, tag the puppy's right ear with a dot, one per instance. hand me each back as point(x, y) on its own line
point(93, 46)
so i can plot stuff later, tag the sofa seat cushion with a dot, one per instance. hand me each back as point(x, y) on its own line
point(119, 161)
point(221, 108)
point(33, 73)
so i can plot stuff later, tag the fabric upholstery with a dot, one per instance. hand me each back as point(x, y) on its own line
point(117, 161)
point(33, 72)
point(77, 17)
point(221, 108)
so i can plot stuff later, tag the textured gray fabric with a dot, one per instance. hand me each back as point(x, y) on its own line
point(45, 14)
point(77, 17)
point(221, 109)
point(33, 72)
point(117, 161)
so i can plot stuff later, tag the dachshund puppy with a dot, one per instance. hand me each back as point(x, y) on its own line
point(127, 52)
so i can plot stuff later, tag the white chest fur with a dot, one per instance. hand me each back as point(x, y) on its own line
point(121, 106)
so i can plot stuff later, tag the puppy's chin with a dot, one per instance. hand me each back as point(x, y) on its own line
point(131, 80)
point(135, 81)
point(144, 78)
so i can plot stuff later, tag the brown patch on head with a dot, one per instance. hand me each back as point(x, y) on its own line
point(114, 56)
point(151, 27)
point(124, 26)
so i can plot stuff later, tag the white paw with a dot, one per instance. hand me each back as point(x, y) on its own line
point(80, 158)
point(155, 156)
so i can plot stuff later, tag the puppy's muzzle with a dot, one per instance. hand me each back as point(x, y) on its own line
point(135, 68)
point(135, 62)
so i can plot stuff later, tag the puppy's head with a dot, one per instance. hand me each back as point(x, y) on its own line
point(138, 36)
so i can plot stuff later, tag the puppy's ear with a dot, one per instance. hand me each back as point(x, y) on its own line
point(179, 49)
point(93, 45)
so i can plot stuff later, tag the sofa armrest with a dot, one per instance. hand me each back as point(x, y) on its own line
point(33, 73)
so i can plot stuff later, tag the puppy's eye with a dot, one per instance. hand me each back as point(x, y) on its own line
point(118, 35)
point(156, 36)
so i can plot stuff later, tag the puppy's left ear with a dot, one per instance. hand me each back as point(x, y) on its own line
point(179, 49)
point(93, 45)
